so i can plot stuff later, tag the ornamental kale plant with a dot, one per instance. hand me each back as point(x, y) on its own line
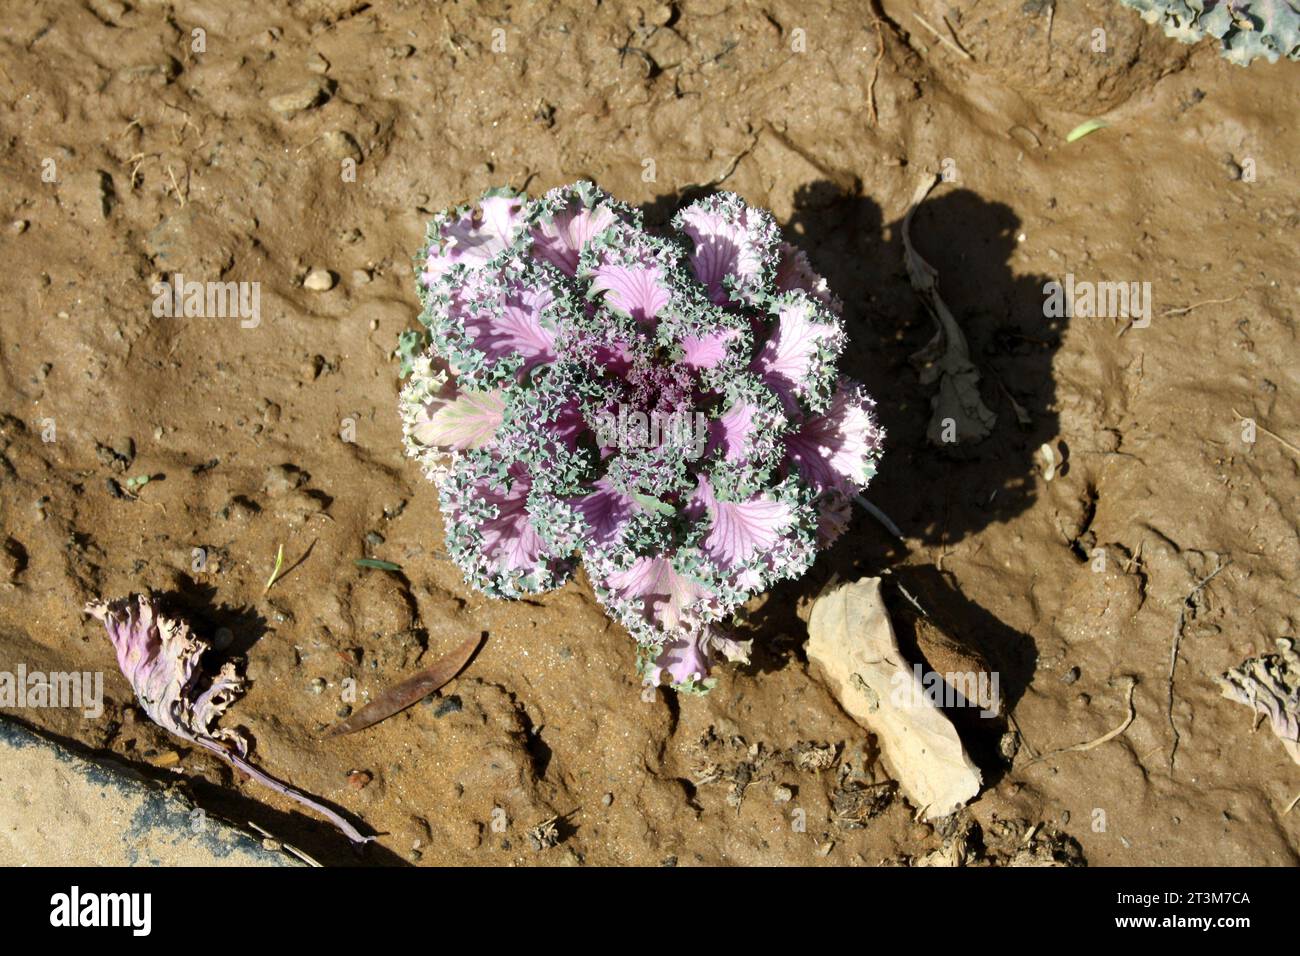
point(664, 407)
point(1245, 28)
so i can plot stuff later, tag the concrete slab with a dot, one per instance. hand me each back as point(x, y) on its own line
point(58, 808)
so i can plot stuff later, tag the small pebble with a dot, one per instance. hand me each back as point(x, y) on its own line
point(303, 98)
point(1009, 745)
point(342, 145)
point(282, 479)
point(11, 562)
point(344, 711)
point(782, 794)
point(318, 685)
point(607, 799)
point(319, 280)
point(359, 779)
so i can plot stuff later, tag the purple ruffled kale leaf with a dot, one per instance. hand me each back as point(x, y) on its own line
point(664, 407)
point(1270, 685)
point(162, 660)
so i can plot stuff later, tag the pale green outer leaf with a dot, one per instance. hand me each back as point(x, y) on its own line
point(469, 421)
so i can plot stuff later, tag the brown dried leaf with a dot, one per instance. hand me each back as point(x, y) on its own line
point(851, 641)
point(946, 358)
point(403, 695)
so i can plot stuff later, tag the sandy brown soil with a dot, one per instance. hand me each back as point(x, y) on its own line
point(225, 164)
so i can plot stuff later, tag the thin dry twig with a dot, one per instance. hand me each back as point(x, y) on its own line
point(875, 72)
point(137, 160)
point(950, 44)
point(956, 37)
point(1090, 744)
point(1196, 305)
point(175, 188)
point(287, 847)
point(908, 594)
point(1271, 434)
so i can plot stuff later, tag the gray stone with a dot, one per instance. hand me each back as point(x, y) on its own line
point(60, 809)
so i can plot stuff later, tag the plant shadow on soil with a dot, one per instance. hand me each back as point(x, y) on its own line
point(939, 495)
point(233, 630)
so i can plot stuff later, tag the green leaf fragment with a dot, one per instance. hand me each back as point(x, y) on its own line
point(275, 572)
point(377, 564)
point(1083, 129)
